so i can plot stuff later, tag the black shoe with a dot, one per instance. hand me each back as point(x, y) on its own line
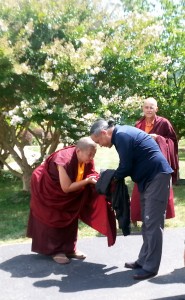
point(143, 274)
point(133, 265)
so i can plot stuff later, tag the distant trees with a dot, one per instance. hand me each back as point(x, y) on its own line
point(64, 63)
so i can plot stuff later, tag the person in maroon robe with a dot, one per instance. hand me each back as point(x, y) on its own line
point(62, 192)
point(163, 133)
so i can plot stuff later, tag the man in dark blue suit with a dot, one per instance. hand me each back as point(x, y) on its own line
point(141, 158)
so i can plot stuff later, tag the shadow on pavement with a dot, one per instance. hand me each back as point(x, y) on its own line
point(179, 297)
point(177, 276)
point(76, 276)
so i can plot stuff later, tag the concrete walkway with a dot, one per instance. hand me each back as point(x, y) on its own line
point(29, 276)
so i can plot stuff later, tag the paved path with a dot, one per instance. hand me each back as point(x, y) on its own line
point(28, 276)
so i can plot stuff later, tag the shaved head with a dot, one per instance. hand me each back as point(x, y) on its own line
point(85, 150)
point(150, 101)
point(85, 143)
point(150, 108)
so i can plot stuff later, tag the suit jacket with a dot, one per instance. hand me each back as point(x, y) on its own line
point(117, 193)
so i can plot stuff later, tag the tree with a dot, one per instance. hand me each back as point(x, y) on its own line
point(54, 51)
point(160, 66)
point(65, 63)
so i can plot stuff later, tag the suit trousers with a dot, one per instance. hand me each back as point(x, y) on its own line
point(153, 209)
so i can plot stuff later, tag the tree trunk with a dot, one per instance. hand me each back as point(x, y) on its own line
point(26, 178)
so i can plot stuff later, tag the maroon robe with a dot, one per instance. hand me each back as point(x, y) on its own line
point(168, 143)
point(53, 222)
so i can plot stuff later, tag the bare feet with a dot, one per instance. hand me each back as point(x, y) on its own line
point(76, 254)
point(61, 258)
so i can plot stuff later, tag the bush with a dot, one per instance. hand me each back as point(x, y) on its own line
point(8, 176)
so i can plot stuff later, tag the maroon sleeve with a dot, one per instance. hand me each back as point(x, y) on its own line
point(168, 143)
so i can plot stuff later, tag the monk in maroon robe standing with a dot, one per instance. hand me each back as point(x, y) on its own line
point(62, 192)
point(163, 133)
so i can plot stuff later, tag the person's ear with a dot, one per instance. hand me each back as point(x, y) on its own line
point(77, 150)
point(103, 131)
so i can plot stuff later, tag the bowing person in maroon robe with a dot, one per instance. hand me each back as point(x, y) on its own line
point(62, 192)
point(163, 133)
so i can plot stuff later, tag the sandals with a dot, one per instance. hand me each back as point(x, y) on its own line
point(76, 254)
point(61, 258)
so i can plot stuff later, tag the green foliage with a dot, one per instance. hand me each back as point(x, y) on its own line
point(65, 63)
point(6, 176)
point(44, 37)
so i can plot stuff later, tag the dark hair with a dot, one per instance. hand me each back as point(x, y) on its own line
point(101, 124)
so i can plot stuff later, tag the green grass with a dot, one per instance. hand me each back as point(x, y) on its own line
point(14, 203)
